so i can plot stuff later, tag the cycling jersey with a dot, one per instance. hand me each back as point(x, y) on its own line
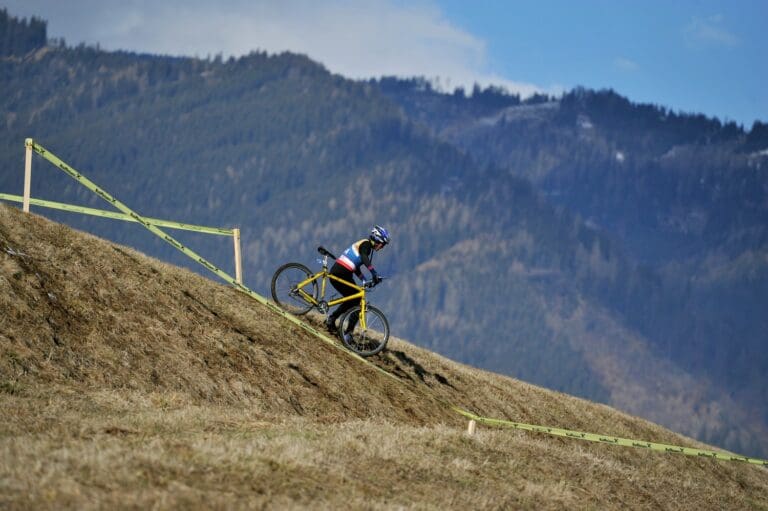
point(357, 255)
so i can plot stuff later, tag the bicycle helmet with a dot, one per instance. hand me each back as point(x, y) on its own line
point(379, 235)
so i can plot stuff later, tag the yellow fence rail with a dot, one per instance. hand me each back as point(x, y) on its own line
point(116, 216)
point(30, 146)
point(612, 440)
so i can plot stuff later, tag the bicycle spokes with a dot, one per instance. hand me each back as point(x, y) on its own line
point(288, 295)
point(365, 334)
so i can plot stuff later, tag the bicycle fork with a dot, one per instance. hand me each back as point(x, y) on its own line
point(362, 315)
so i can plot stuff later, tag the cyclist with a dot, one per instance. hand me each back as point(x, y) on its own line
point(350, 263)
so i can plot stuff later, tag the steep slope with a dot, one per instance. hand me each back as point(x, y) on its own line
point(79, 311)
point(141, 384)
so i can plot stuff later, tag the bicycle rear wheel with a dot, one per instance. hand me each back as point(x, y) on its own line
point(285, 291)
point(368, 341)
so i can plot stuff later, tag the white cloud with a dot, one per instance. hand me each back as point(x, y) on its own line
point(625, 64)
point(358, 39)
point(709, 31)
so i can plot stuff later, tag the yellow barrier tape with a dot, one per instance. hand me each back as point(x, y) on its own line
point(591, 437)
point(117, 216)
point(77, 176)
point(626, 442)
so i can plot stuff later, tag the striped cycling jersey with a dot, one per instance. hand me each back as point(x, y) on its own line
point(351, 258)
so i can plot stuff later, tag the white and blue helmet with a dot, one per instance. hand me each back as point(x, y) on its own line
point(379, 235)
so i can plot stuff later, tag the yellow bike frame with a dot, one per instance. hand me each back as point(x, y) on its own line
point(324, 276)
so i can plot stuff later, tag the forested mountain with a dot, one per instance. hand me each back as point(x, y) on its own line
point(683, 195)
point(513, 249)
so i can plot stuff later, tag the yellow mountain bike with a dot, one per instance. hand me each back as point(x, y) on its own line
point(363, 329)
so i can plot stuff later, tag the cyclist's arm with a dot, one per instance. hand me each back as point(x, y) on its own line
point(366, 256)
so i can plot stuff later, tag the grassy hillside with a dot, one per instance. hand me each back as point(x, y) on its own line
point(131, 383)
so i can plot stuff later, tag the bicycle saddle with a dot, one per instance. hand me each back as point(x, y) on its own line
point(324, 252)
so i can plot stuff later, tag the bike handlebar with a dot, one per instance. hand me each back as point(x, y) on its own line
point(371, 284)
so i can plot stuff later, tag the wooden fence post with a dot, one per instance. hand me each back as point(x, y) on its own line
point(27, 175)
point(238, 258)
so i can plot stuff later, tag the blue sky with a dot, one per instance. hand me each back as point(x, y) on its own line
point(701, 56)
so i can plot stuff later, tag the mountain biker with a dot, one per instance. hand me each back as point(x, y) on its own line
point(359, 254)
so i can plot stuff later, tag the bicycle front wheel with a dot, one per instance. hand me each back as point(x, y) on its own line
point(285, 289)
point(364, 341)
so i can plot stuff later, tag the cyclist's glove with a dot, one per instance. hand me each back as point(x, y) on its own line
point(375, 276)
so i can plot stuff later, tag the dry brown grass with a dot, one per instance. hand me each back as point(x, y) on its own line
point(128, 383)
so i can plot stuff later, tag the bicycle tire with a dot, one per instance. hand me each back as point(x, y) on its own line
point(283, 288)
point(367, 342)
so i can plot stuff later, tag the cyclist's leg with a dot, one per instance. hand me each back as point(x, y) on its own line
point(344, 290)
point(341, 309)
point(353, 318)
